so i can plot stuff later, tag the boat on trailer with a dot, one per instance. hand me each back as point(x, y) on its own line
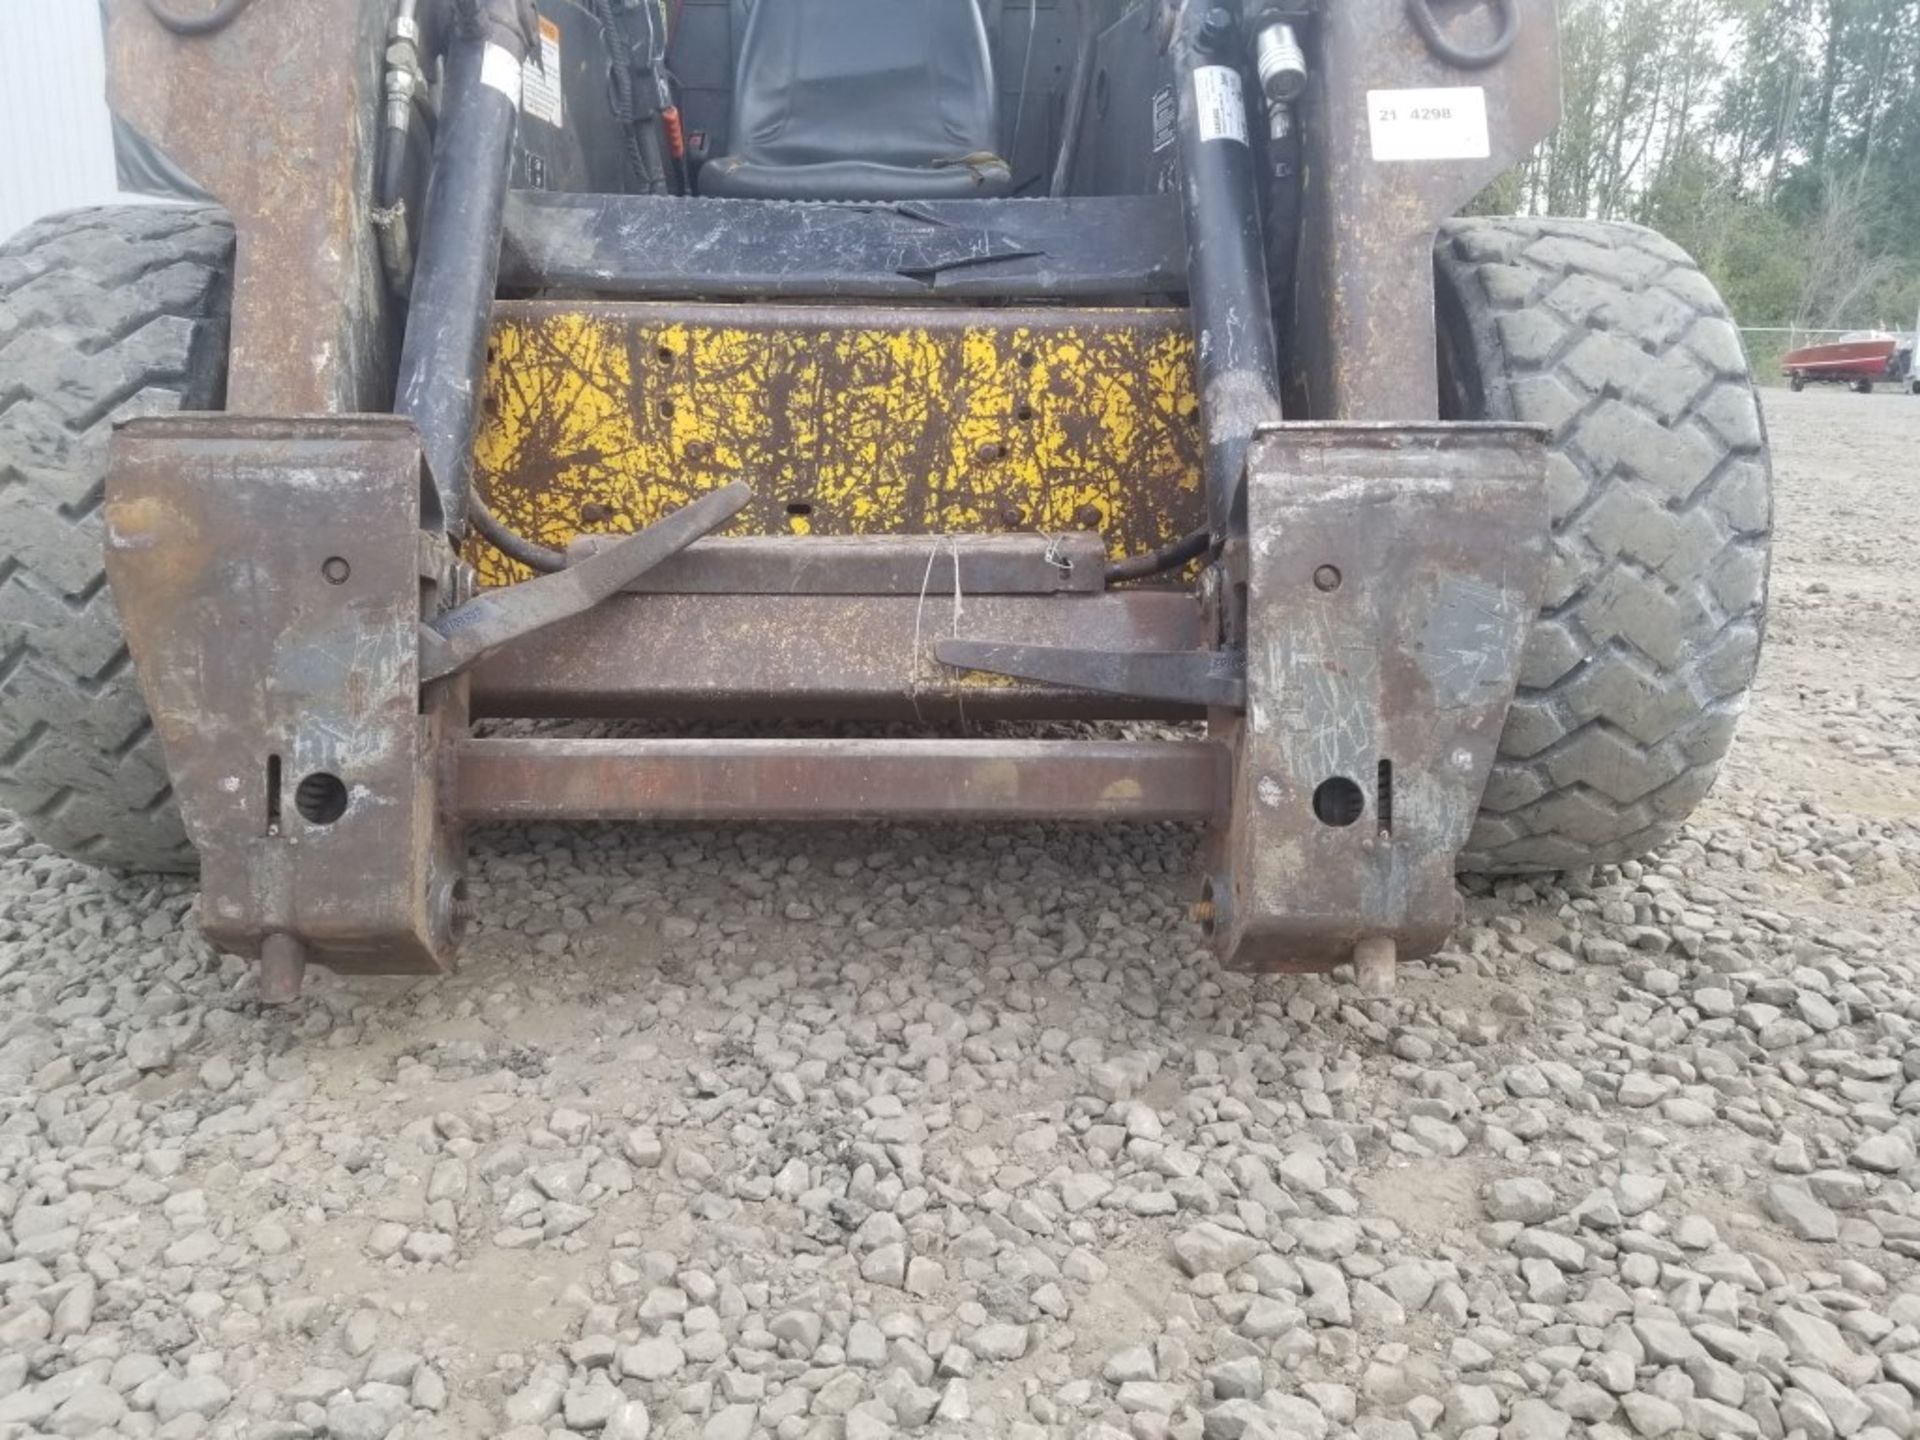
point(1862, 359)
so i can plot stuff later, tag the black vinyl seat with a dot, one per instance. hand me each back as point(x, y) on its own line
point(862, 100)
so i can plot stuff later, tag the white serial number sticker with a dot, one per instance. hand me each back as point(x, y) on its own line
point(500, 71)
point(1446, 124)
point(1223, 107)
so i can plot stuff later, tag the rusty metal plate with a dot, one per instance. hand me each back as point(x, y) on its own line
point(847, 420)
point(1070, 564)
point(848, 780)
point(823, 656)
point(273, 576)
point(275, 116)
point(1393, 574)
point(1364, 342)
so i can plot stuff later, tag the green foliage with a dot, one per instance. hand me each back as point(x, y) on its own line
point(1778, 140)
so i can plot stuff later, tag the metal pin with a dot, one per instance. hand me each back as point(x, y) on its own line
point(283, 965)
point(1373, 965)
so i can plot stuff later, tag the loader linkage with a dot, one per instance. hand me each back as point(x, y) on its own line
point(298, 587)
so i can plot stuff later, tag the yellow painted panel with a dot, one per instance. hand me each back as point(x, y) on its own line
point(603, 417)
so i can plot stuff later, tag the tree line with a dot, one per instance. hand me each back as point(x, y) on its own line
point(1778, 140)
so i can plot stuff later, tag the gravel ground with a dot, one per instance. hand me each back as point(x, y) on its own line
point(863, 1133)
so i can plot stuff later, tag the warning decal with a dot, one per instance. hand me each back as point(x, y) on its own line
point(540, 77)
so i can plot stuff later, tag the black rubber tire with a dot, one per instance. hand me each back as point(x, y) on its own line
point(1643, 657)
point(105, 314)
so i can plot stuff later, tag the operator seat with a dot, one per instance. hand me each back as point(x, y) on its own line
point(866, 100)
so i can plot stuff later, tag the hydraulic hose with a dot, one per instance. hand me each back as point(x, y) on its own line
point(1238, 365)
point(1159, 562)
point(443, 356)
point(514, 546)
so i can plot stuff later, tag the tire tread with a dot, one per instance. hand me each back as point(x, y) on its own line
point(1643, 657)
point(105, 314)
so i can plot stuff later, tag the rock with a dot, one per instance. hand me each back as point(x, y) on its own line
point(1150, 1396)
point(1521, 1198)
point(643, 1150)
point(1651, 1416)
point(1535, 1420)
point(429, 1390)
point(1794, 1206)
point(999, 1342)
point(89, 1410)
point(886, 1265)
point(203, 1395)
point(539, 1399)
point(150, 1049)
point(1133, 1363)
point(1235, 1420)
point(1208, 1248)
point(592, 1407)
point(629, 1421)
point(1239, 1379)
point(1814, 1340)
point(1843, 1409)
point(349, 1419)
point(1666, 1341)
point(653, 1359)
point(924, 1276)
point(797, 1328)
point(1887, 1153)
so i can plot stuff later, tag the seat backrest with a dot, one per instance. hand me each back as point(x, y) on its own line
point(894, 82)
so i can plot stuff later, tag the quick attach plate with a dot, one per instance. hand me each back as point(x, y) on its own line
point(1392, 576)
point(273, 576)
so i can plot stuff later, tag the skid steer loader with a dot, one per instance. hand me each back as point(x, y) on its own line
point(955, 362)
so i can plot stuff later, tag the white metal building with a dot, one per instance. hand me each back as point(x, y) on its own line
point(58, 146)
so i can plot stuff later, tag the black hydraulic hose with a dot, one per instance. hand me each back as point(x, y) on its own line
point(534, 556)
point(620, 68)
point(1237, 358)
point(450, 312)
point(192, 26)
point(1461, 58)
point(1077, 87)
point(1159, 562)
point(393, 166)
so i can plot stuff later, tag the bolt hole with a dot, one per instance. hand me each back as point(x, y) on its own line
point(335, 570)
point(1338, 802)
point(664, 355)
point(1028, 360)
point(1327, 578)
point(1024, 413)
point(321, 798)
point(666, 409)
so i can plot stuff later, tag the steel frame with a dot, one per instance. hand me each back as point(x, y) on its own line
point(296, 610)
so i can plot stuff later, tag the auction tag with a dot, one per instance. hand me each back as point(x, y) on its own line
point(540, 80)
point(1223, 107)
point(1446, 124)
